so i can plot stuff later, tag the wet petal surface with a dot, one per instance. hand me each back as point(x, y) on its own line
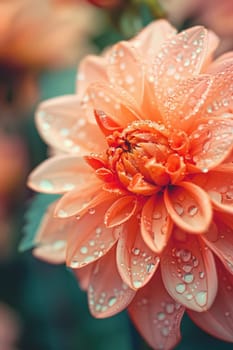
point(218, 320)
point(156, 224)
point(189, 207)
point(59, 175)
point(156, 315)
point(188, 271)
point(107, 293)
point(136, 262)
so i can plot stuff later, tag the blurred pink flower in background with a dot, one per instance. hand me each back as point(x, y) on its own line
point(14, 165)
point(146, 177)
point(9, 328)
point(216, 15)
point(105, 3)
point(38, 35)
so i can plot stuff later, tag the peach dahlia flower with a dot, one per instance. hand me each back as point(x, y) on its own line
point(145, 174)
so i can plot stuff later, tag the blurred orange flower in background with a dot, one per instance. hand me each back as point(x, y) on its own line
point(146, 176)
point(38, 35)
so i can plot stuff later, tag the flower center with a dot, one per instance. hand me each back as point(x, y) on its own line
point(144, 157)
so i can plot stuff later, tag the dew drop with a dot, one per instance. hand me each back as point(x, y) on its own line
point(58, 245)
point(189, 296)
point(180, 288)
point(84, 250)
point(178, 208)
point(192, 210)
point(185, 255)
point(136, 251)
point(137, 284)
point(188, 278)
point(112, 301)
point(187, 268)
point(205, 170)
point(170, 308)
point(201, 298)
point(150, 267)
point(74, 264)
point(62, 213)
point(98, 230)
point(91, 211)
point(161, 316)
point(202, 274)
point(46, 185)
point(165, 331)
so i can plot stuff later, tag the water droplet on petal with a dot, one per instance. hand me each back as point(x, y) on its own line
point(180, 288)
point(170, 308)
point(58, 245)
point(83, 250)
point(161, 316)
point(91, 211)
point(165, 331)
point(46, 185)
point(178, 208)
point(188, 278)
point(201, 298)
point(192, 210)
point(62, 213)
point(136, 251)
point(201, 274)
point(137, 284)
point(112, 301)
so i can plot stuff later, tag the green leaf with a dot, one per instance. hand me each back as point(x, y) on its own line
point(33, 217)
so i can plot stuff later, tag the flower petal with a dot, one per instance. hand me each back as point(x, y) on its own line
point(91, 239)
point(219, 238)
point(220, 99)
point(63, 125)
point(116, 103)
point(107, 293)
point(180, 58)
point(125, 69)
point(156, 224)
point(92, 68)
point(83, 275)
point(189, 272)
point(156, 315)
point(80, 200)
point(136, 262)
point(120, 211)
point(189, 207)
point(51, 237)
point(211, 142)
point(150, 39)
point(182, 103)
point(219, 186)
point(218, 320)
point(60, 174)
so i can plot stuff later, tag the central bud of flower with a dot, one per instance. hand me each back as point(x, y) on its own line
point(143, 157)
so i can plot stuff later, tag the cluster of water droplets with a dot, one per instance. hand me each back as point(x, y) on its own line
point(67, 137)
point(190, 274)
point(106, 301)
point(98, 242)
point(143, 264)
point(166, 318)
